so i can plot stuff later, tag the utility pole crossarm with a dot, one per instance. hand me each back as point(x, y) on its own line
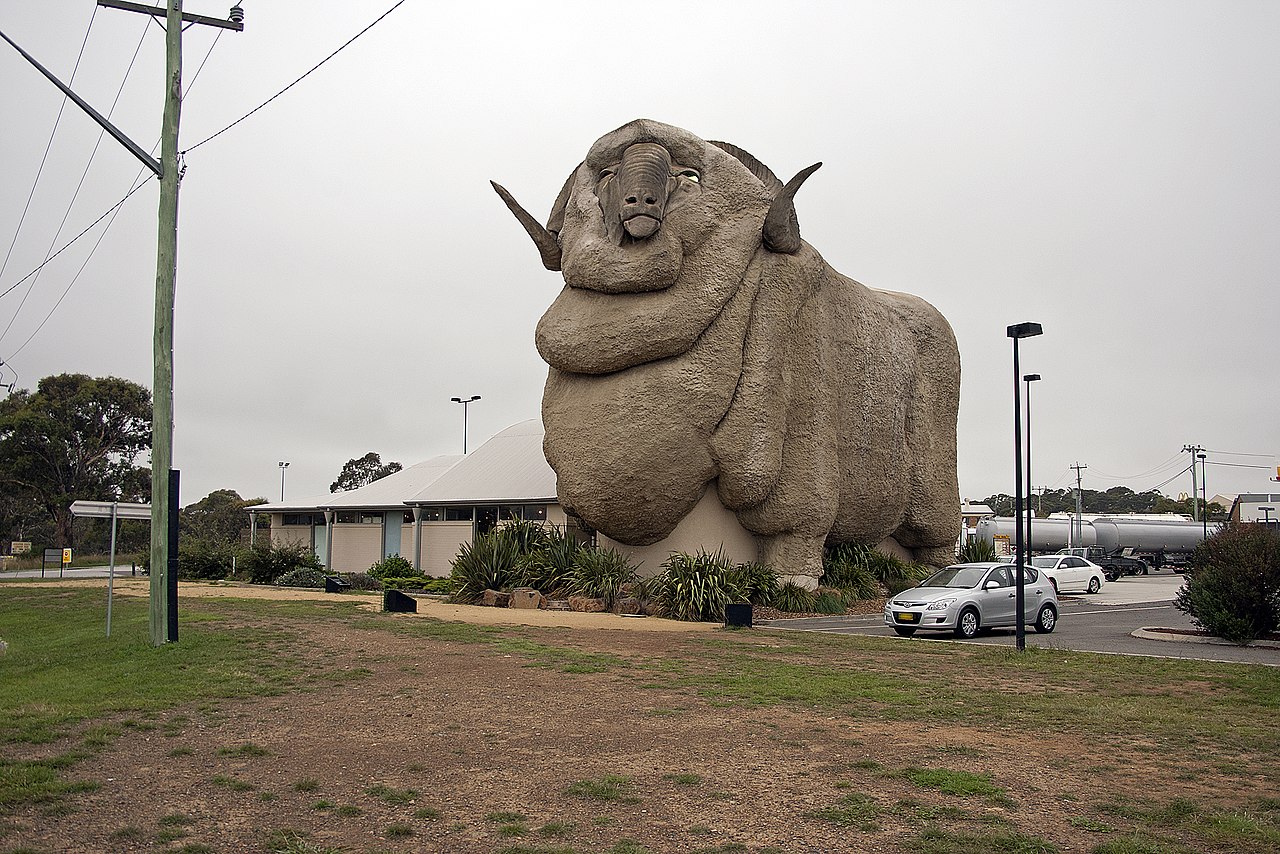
point(119, 135)
point(158, 12)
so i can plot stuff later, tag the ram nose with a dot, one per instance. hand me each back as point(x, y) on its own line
point(643, 179)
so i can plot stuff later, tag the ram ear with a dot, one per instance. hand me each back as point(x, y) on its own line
point(548, 244)
point(781, 228)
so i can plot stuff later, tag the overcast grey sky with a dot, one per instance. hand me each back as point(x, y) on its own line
point(1109, 169)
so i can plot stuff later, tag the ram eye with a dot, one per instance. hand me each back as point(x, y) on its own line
point(605, 173)
point(691, 175)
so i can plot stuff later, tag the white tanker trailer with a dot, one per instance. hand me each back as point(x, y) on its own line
point(1158, 542)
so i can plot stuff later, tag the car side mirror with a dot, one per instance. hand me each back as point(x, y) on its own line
point(991, 584)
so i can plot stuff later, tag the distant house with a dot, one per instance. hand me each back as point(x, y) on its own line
point(1256, 507)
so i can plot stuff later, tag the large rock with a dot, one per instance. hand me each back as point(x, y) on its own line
point(526, 597)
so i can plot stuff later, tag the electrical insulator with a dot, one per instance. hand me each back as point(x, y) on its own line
point(236, 16)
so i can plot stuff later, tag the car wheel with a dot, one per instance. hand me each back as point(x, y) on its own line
point(904, 631)
point(1094, 584)
point(1046, 620)
point(1145, 569)
point(968, 624)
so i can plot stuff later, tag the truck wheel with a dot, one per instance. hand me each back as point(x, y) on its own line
point(1046, 620)
point(1094, 584)
point(904, 631)
point(968, 624)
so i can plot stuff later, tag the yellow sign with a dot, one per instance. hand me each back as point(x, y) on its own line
point(66, 556)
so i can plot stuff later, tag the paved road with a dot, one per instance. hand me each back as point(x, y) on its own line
point(1099, 623)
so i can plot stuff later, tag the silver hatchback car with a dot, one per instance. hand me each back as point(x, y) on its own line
point(969, 597)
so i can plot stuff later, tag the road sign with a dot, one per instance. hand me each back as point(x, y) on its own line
point(66, 556)
point(19, 548)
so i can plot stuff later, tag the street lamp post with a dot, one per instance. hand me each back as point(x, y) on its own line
point(1266, 515)
point(283, 465)
point(1029, 379)
point(465, 404)
point(1017, 332)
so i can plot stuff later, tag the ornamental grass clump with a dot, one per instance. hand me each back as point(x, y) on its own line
point(793, 599)
point(549, 569)
point(697, 587)
point(490, 562)
point(863, 572)
point(757, 582)
point(976, 551)
point(601, 574)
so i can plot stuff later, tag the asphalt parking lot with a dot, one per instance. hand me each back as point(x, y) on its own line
point(1103, 622)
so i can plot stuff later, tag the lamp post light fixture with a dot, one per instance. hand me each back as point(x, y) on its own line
point(1016, 332)
point(1029, 379)
point(465, 404)
point(283, 465)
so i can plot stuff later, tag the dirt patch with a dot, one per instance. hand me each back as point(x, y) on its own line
point(576, 733)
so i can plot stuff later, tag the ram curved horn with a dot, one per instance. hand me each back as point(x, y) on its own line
point(548, 243)
point(781, 228)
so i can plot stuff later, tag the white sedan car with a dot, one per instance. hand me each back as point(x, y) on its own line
point(1071, 574)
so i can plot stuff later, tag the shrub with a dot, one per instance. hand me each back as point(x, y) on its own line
point(264, 563)
point(361, 581)
point(601, 574)
point(793, 599)
point(303, 576)
point(696, 588)
point(392, 565)
point(490, 562)
point(199, 557)
point(417, 582)
point(976, 551)
point(1233, 584)
point(550, 567)
point(757, 582)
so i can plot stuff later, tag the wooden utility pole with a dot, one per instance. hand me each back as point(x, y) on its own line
point(162, 342)
point(164, 626)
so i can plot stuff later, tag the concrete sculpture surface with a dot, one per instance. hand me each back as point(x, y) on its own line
point(699, 340)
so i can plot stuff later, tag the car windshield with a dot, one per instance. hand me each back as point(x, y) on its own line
point(956, 576)
point(1044, 562)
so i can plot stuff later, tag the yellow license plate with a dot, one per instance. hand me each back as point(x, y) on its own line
point(905, 617)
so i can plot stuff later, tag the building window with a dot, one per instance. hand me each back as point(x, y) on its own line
point(458, 514)
point(370, 518)
point(408, 517)
point(347, 517)
point(431, 514)
point(536, 512)
point(303, 519)
point(508, 512)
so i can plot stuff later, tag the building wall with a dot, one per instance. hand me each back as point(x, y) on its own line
point(406, 542)
point(287, 535)
point(708, 526)
point(440, 544)
point(355, 547)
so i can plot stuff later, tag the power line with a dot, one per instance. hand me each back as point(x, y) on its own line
point(76, 194)
point(48, 145)
point(1237, 454)
point(296, 82)
point(1147, 473)
point(113, 211)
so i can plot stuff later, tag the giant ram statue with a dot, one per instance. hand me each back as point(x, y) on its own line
point(698, 340)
